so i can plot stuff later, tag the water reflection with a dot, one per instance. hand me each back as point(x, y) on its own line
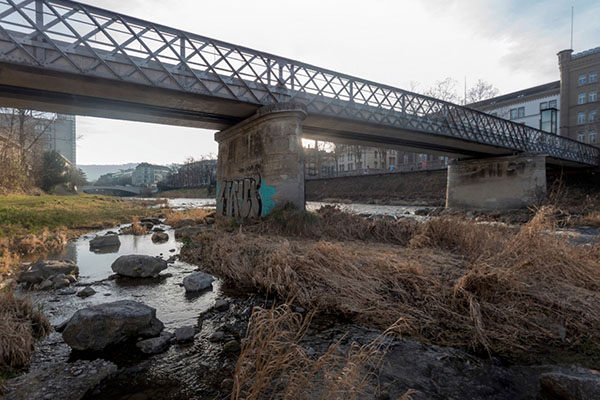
point(174, 307)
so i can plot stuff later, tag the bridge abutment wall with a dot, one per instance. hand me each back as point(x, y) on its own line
point(498, 183)
point(260, 165)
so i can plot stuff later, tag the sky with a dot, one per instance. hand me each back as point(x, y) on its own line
point(509, 43)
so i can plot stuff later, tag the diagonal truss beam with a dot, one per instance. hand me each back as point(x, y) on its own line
point(64, 32)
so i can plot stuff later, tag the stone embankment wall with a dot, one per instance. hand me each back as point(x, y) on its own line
point(415, 187)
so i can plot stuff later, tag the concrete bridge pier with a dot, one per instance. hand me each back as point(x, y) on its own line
point(260, 166)
point(497, 183)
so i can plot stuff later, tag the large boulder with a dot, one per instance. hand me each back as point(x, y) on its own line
point(48, 269)
point(197, 281)
point(96, 327)
point(109, 242)
point(138, 266)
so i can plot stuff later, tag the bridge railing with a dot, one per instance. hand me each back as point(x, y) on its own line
point(68, 36)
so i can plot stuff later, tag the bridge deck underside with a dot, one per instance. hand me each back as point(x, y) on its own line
point(26, 88)
point(63, 56)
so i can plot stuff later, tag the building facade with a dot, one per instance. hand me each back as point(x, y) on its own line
point(61, 136)
point(580, 86)
point(346, 160)
point(44, 131)
point(536, 107)
point(146, 174)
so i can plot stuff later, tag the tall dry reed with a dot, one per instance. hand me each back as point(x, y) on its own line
point(458, 283)
point(21, 323)
point(273, 364)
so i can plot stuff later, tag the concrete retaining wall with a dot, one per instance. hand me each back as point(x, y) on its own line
point(417, 187)
point(497, 183)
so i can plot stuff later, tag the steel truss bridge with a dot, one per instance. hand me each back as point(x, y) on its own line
point(65, 56)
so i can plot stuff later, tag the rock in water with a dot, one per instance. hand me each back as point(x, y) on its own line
point(96, 327)
point(160, 237)
point(197, 281)
point(185, 333)
point(155, 345)
point(153, 221)
point(110, 241)
point(138, 266)
point(87, 292)
point(48, 269)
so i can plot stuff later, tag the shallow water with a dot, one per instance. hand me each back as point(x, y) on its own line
point(356, 208)
point(173, 306)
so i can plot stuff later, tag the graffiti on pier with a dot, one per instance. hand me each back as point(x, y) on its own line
point(240, 198)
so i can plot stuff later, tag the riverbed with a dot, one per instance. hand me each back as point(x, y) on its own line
point(185, 370)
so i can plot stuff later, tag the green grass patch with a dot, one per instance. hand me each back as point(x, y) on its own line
point(22, 214)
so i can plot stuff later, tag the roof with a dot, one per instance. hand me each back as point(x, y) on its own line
point(586, 53)
point(532, 91)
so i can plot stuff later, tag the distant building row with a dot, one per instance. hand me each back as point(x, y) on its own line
point(196, 174)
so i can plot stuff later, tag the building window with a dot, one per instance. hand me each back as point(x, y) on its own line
point(581, 117)
point(592, 137)
point(543, 105)
point(593, 96)
point(581, 98)
point(582, 79)
point(593, 77)
point(592, 116)
point(521, 112)
point(552, 104)
point(581, 136)
point(548, 120)
point(513, 113)
point(375, 154)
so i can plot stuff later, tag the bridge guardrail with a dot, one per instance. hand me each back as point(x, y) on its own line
point(69, 36)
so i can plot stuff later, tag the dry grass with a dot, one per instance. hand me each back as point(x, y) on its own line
point(8, 261)
point(331, 223)
point(458, 283)
point(273, 364)
point(178, 218)
point(135, 228)
point(21, 323)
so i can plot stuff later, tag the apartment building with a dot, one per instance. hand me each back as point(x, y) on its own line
point(146, 174)
point(579, 86)
point(536, 107)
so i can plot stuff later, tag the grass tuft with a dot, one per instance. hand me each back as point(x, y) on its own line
point(273, 363)
point(21, 323)
point(178, 218)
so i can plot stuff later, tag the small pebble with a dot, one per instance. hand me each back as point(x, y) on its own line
point(217, 336)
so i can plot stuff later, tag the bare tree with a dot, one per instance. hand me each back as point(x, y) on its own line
point(22, 134)
point(481, 91)
point(445, 89)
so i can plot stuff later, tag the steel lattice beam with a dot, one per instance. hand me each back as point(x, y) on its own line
point(71, 37)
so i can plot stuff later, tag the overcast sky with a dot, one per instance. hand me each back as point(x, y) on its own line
point(509, 43)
